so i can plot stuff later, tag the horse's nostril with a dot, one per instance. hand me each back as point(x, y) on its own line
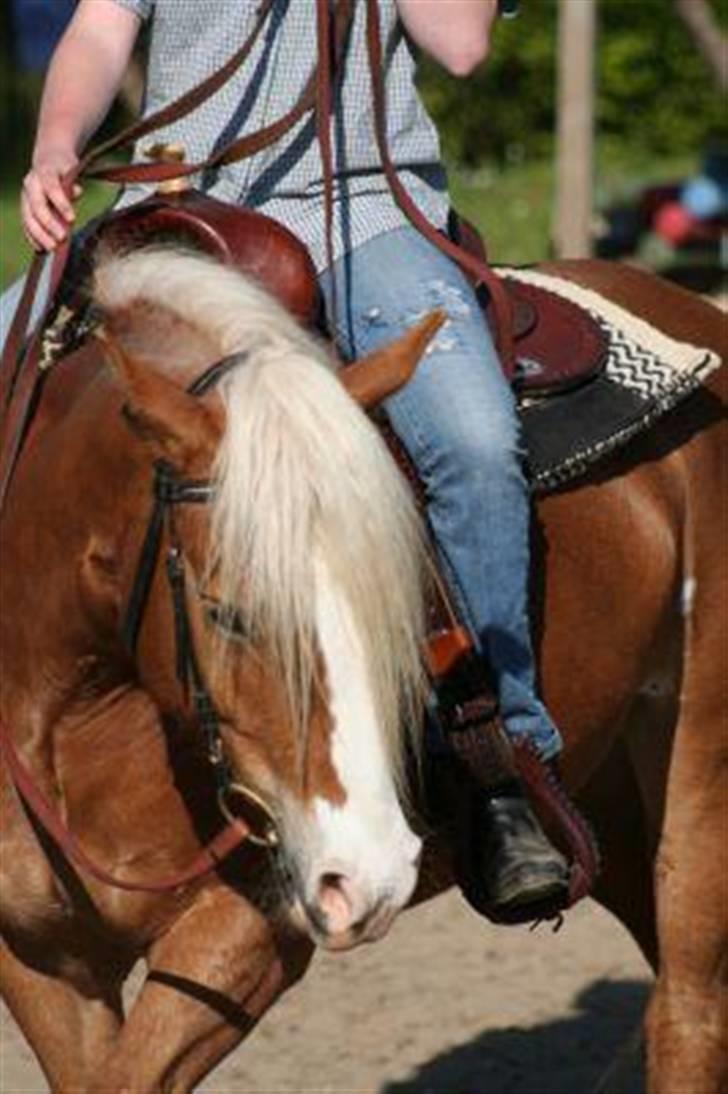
point(332, 880)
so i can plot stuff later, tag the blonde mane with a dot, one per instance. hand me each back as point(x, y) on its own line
point(303, 479)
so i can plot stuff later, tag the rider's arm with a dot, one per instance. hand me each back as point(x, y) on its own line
point(85, 73)
point(456, 33)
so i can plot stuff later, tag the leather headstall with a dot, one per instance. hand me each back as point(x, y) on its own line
point(169, 491)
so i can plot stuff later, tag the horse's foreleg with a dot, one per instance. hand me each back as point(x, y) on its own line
point(211, 977)
point(69, 1031)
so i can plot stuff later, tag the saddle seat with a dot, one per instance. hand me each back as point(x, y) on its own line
point(255, 244)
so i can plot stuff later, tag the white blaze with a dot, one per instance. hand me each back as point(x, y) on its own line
point(365, 839)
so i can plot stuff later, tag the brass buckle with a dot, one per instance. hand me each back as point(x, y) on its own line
point(269, 837)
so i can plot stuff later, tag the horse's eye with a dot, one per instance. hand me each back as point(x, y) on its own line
point(226, 619)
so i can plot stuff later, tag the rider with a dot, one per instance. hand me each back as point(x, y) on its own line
point(456, 417)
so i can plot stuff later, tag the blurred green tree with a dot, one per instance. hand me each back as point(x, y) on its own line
point(655, 91)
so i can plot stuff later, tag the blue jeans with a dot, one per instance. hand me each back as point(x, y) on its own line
point(457, 419)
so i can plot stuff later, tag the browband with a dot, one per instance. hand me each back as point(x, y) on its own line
point(212, 375)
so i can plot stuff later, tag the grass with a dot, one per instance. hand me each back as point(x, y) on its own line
point(512, 206)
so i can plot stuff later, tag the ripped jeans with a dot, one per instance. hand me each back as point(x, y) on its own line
point(457, 420)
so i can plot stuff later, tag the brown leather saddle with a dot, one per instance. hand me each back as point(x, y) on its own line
point(558, 345)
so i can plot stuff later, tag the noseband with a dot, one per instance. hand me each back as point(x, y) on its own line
point(168, 491)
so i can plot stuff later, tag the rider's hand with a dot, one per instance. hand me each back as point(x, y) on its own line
point(46, 210)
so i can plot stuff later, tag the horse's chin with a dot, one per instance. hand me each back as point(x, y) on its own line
point(337, 942)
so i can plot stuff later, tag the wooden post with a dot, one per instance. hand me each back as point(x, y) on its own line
point(708, 37)
point(575, 135)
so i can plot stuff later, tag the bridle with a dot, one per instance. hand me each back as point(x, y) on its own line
point(170, 491)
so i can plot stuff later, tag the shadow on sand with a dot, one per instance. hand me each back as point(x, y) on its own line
point(569, 1056)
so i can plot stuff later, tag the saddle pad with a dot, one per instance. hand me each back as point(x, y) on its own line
point(645, 374)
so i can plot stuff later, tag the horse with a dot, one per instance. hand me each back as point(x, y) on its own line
point(305, 573)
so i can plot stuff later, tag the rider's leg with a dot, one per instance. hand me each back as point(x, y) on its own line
point(457, 420)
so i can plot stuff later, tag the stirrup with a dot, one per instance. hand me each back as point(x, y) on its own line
point(490, 758)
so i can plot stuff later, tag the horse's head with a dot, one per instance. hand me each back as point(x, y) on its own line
point(303, 575)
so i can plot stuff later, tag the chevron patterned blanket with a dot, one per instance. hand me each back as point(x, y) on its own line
point(646, 375)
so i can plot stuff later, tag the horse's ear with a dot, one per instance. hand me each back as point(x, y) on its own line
point(175, 423)
point(383, 372)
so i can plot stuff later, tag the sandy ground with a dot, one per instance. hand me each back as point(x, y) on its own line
point(446, 1004)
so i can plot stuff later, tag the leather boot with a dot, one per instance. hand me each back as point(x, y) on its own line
point(507, 867)
point(522, 875)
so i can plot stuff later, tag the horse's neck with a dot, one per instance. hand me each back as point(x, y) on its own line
point(60, 536)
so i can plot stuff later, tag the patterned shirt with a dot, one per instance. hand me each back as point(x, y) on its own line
point(189, 39)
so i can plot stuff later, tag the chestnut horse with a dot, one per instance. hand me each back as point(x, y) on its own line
point(304, 577)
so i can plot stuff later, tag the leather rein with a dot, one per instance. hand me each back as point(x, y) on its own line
point(21, 381)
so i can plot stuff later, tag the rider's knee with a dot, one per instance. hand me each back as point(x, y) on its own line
point(481, 449)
